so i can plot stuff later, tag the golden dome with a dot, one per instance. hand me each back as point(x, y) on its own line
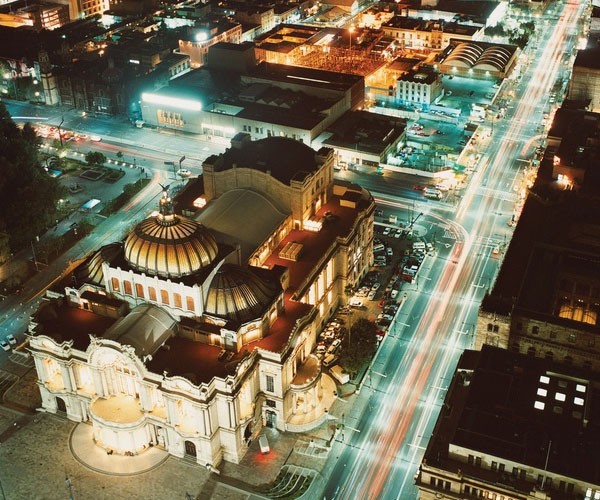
point(238, 294)
point(169, 245)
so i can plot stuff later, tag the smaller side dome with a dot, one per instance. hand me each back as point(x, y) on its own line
point(238, 294)
point(91, 271)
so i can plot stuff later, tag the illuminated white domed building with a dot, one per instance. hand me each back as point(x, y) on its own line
point(193, 333)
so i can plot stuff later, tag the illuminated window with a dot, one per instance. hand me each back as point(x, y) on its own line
point(539, 405)
point(580, 388)
point(164, 297)
point(559, 396)
point(578, 401)
point(190, 303)
point(544, 379)
point(127, 287)
point(139, 290)
point(177, 300)
point(115, 284)
point(152, 293)
point(542, 392)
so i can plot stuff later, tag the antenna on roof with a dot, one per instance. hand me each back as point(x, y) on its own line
point(546, 464)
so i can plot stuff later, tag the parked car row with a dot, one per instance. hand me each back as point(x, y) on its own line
point(330, 340)
point(8, 342)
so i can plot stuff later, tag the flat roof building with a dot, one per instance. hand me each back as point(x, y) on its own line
point(546, 298)
point(514, 426)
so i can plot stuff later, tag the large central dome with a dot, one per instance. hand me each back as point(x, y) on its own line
point(169, 245)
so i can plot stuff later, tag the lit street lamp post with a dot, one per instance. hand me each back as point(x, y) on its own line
point(59, 131)
point(8, 77)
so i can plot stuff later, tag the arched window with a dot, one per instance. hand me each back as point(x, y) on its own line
point(127, 287)
point(139, 290)
point(115, 284)
point(164, 297)
point(177, 300)
point(152, 293)
point(190, 303)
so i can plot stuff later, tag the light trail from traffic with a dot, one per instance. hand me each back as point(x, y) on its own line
point(382, 459)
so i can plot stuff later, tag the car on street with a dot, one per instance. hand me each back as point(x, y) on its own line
point(184, 172)
point(95, 138)
point(386, 231)
point(4, 344)
point(11, 339)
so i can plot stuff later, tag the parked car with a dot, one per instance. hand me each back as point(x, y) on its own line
point(375, 287)
point(389, 251)
point(386, 231)
point(394, 294)
point(11, 339)
point(4, 344)
point(184, 172)
point(329, 360)
point(354, 302)
point(372, 294)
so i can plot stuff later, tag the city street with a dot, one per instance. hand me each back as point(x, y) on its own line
point(402, 394)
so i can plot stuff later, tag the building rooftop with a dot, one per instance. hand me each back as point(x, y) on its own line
point(266, 155)
point(522, 409)
point(296, 75)
point(317, 245)
point(587, 58)
point(242, 217)
point(365, 131)
point(557, 237)
point(422, 76)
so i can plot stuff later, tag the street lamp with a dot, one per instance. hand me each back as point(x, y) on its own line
point(9, 77)
point(350, 31)
point(59, 131)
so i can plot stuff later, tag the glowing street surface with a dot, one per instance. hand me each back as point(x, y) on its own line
point(386, 431)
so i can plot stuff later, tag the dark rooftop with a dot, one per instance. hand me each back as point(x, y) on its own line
point(365, 131)
point(306, 76)
point(62, 323)
point(266, 155)
point(588, 58)
point(520, 409)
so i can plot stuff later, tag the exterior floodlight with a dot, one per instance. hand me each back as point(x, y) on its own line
point(201, 36)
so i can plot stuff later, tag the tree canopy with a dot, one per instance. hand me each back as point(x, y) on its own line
point(28, 195)
point(359, 345)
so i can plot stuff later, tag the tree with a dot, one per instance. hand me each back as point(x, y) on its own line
point(94, 158)
point(28, 195)
point(360, 346)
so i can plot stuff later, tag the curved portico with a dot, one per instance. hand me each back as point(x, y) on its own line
point(119, 425)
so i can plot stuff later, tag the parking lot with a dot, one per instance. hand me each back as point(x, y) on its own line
point(398, 255)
